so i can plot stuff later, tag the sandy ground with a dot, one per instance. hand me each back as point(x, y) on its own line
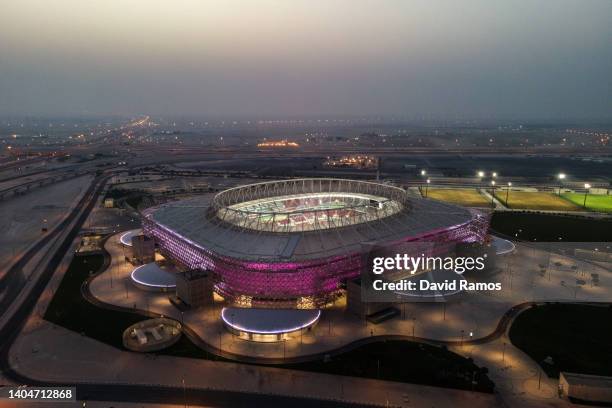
point(22, 216)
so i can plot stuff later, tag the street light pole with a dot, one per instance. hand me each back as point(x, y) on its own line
point(561, 177)
point(423, 174)
point(427, 186)
point(587, 186)
point(508, 192)
point(184, 393)
point(480, 175)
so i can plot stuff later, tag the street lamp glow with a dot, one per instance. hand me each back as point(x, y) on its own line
point(428, 181)
point(561, 176)
point(509, 184)
point(423, 172)
point(494, 174)
point(587, 186)
point(492, 182)
point(481, 174)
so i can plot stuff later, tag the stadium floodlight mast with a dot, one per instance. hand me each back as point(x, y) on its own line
point(423, 174)
point(561, 177)
point(587, 186)
point(480, 175)
point(508, 191)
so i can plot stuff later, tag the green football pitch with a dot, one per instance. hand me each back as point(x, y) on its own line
point(594, 202)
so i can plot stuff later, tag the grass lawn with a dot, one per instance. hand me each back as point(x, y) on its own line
point(536, 201)
point(70, 310)
point(577, 337)
point(602, 203)
point(548, 227)
point(463, 196)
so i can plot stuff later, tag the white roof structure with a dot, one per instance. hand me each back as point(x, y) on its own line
point(151, 275)
point(200, 221)
point(269, 321)
point(126, 238)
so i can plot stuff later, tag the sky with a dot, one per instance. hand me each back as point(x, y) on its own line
point(549, 59)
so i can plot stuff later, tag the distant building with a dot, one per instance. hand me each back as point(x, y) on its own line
point(195, 287)
point(591, 389)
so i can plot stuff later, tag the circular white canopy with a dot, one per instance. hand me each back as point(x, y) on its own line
point(269, 321)
point(151, 275)
point(126, 238)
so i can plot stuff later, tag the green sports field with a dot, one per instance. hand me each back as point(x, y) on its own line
point(536, 201)
point(467, 197)
point(594, 202)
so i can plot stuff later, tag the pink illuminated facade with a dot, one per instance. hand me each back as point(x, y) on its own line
point(287, 269)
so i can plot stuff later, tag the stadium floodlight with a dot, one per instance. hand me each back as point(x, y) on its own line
point(587, 186)
point(561, 177)
point(508, 192)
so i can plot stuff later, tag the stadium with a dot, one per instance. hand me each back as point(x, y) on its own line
point(295, 243)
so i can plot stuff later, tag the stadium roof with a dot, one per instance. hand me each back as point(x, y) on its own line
point(188, 218)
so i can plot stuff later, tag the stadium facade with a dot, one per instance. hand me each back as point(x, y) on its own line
point(295, 243)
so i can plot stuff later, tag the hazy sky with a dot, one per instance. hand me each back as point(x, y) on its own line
point(446, 58)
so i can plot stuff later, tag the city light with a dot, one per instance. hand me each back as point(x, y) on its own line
point(278, 143)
